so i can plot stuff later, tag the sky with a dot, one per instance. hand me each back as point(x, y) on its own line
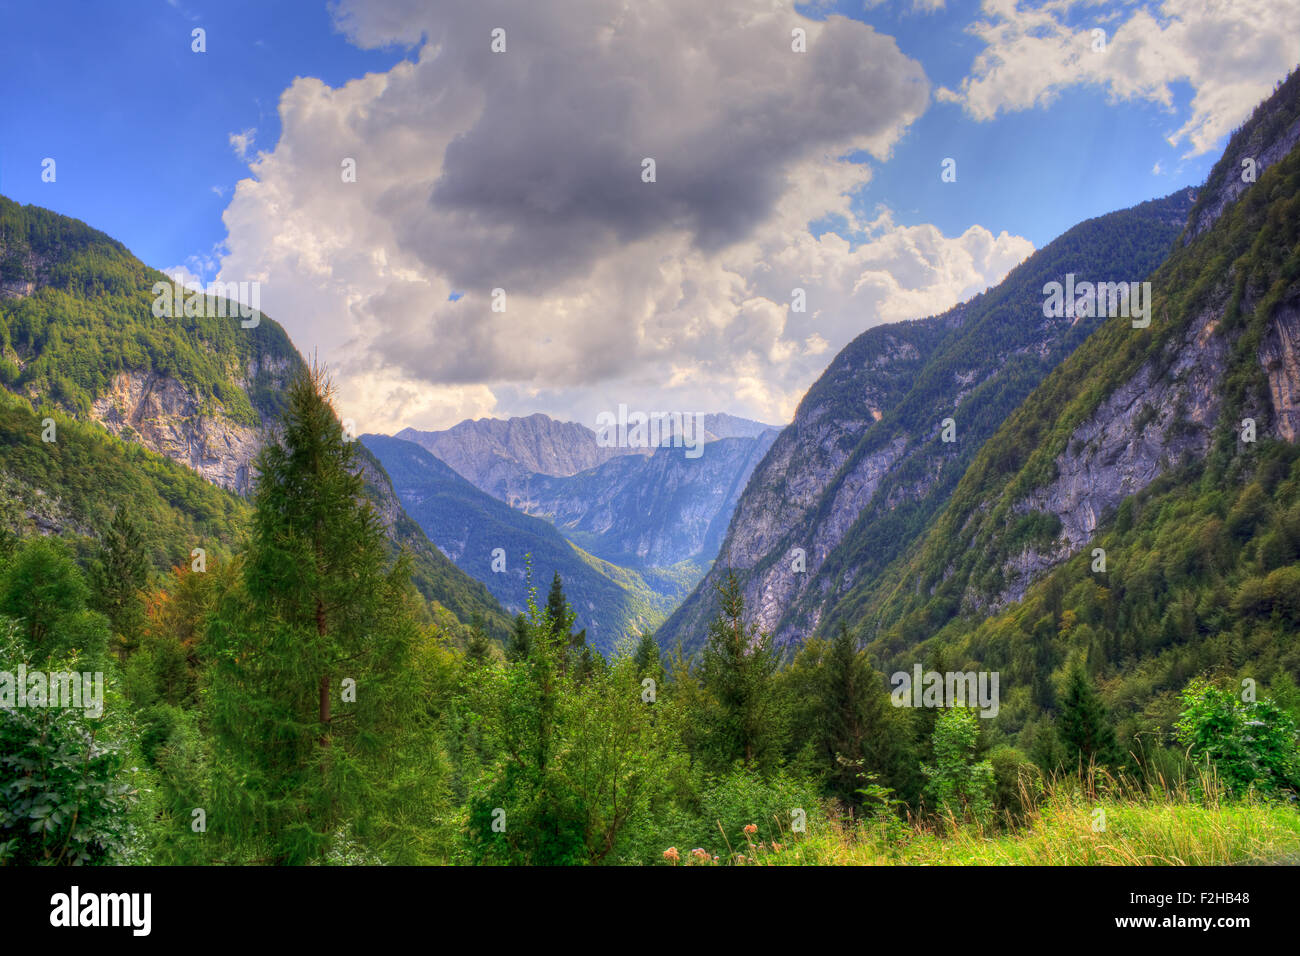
point(499, 251)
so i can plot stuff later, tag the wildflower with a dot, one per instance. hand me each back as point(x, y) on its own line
point(671, 855)
point(751, 828)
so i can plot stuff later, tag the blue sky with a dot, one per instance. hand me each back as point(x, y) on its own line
point(820, 172)
point(137, 123)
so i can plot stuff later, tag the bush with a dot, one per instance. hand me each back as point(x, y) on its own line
point(1251, 745)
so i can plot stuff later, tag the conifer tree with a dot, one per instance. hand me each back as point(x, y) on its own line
point(117, 576)
point(648, 660)
point(314, 703)
point(1083, 727)
point(737, 669)
point(518, 648)
point(576, 656)
point(855, 715)
point(478, 646)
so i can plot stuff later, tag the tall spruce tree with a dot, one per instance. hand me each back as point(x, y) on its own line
point(1084, 728)
point(856, 736)
point(576, 656)
point(520, 640)
point(737, 672)
point(118, 574)
point(314, 703)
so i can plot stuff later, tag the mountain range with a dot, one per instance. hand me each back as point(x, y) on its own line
point(628, 535)
point(1000, 483)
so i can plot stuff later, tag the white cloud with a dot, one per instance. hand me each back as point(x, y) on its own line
point(522, 171)
point(1231, 52)
point(184, 277)
point(916, 6)
point(242, 142)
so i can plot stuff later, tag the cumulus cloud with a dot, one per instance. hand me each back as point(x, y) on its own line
point(1231, 52)
point(521, 171)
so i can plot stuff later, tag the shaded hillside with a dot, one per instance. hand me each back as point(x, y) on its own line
point(469, 525)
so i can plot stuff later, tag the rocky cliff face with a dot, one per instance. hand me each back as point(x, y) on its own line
point(1162, 418)
point(164, 416)
point(1279, 356)
point(866, 379)
point(169, 418)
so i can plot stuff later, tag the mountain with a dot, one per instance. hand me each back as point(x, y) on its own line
point(469, 526)
point(644, 507)
point(1172, 449)
point(494, 454)
point(130, 391)
point(865, 466)
point(650, 511)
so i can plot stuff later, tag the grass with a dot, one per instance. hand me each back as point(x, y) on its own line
point(1142, 826)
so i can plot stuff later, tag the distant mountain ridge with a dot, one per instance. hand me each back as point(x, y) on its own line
point(641, 507)
point(650, 510)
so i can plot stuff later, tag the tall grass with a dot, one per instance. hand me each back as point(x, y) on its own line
point(1088, 819)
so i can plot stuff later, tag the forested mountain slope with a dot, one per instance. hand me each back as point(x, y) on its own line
point(864, 466)
point(1143, 506)
point(79, 340)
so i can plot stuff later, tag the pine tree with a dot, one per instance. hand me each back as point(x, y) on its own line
point(117, 576)
point(558, 613)
point(478, 646)
point(648, 660)
point(737, 669)
point(1083, 728)
point(315, 706)
point(575, 656)
point(855, 715)
point(520, 640)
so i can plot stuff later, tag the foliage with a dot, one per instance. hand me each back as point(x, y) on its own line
point(1253, 746)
